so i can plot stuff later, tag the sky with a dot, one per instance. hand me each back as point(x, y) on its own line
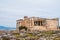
point(12, 10)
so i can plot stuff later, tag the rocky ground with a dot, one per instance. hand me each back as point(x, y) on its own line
point(35, 35)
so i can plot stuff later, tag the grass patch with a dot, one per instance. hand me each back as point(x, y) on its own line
point(47, 32)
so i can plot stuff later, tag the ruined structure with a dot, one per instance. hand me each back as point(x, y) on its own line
point(37, 23)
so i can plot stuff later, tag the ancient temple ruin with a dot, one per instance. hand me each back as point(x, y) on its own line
point(37, 23)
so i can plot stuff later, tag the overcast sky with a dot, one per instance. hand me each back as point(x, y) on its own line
point(11, 10)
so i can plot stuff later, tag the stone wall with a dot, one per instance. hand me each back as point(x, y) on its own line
point(52, 24)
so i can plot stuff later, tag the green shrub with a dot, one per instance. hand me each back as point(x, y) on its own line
point(22, 27)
